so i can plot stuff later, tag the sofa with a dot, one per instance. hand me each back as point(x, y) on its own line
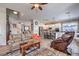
point(16, 40)
point(13, 44)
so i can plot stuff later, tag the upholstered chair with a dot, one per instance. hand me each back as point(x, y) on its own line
point(62, 42)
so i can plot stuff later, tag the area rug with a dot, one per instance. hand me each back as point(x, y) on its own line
point(46, 52)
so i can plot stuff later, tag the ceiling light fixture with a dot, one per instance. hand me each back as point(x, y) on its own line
point(15, 12)
point(36, 5)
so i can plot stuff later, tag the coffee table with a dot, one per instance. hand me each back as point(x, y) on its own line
point(26, 45)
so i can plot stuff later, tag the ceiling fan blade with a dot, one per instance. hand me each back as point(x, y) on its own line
point(33, 7)
point(39, 3)
point(43, 3)
point(40, 8)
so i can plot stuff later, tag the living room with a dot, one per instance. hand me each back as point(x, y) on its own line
point(32, 29)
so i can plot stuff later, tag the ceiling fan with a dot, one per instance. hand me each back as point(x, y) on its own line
point(38, 5)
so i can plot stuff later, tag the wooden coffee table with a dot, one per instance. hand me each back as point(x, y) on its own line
point(25, 46)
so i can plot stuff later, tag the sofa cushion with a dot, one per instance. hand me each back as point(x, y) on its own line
point(4, 49)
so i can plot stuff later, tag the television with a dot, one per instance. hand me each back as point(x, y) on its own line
point(57, 29)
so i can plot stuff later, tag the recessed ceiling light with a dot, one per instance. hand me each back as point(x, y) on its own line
point(15, 12)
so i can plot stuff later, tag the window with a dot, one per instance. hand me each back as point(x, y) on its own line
point(70, 26)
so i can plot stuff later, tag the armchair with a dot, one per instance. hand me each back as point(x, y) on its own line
point(61, 43)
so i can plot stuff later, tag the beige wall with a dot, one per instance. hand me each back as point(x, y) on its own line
point(2, 26)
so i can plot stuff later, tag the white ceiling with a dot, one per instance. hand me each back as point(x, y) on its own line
point(50, 11)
